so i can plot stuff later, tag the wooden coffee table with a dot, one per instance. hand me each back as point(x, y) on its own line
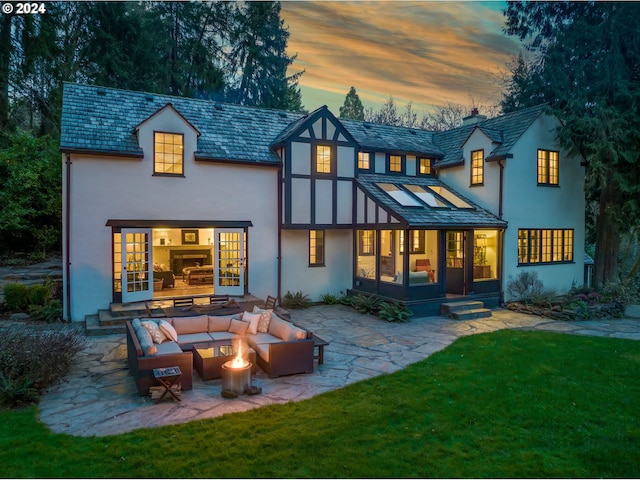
point(208, 358)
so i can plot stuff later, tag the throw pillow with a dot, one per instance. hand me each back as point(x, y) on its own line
point(253, 319)
point(265, 319)
point(238, 327)
point(154, 330)
point(168, 330)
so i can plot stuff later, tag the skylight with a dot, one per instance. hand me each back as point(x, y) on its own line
point(450, 197)
point(400, 196)
point(427, 197)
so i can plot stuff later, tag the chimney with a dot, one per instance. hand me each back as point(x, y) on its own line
point(475, 117)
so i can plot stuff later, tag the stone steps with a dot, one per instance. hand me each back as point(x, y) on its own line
point(466, 310)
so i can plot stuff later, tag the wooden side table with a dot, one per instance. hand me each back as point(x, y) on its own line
point(319, 344)
point(168, 377)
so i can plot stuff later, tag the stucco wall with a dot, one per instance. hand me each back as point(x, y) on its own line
point(115, 188)
point(334, 277)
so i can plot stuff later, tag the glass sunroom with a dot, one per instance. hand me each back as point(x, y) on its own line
point(417, 240)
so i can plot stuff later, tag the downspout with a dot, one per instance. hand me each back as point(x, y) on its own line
point(501, 165)
point(67, 230)
point(279, 258)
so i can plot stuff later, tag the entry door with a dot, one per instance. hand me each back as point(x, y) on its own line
point(229, 261)
point(455, 262)
point(137, 277)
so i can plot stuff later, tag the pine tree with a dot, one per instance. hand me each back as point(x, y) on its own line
point(352, 107)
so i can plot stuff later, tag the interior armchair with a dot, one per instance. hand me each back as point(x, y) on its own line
point(424, 265)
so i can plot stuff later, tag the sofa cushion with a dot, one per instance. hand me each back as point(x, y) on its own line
point(154, 330)
point(168, 330)
point(238, 327)
point(217, 336)
point(262, 349)
point(186, 325)
point(265, 319)
point(259, 338)
point(253, 319)
point(278, 326)
point(292, 333)
point(219, 323)
point(168, 348)
point(187, 340)
point(144, 338)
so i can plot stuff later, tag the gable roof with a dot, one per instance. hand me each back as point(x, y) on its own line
point(101, 120)
point(306, 121)
point(504, 130)
point(425, 216)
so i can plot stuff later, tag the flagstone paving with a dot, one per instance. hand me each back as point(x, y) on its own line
point(99, 396)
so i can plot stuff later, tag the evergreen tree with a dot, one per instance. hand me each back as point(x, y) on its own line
point(258, 59)
point(352, 107)
point(588, 68)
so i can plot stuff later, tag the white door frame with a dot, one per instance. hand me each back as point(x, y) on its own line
point(137, 263)
point(228, 261)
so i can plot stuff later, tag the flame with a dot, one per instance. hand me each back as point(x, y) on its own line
point(239, 361)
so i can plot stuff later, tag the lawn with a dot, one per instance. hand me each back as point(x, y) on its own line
point(505, 404)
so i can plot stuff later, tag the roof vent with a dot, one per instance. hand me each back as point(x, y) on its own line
point(148, 97)
point(217, 106)
point(367, 125)
point(101, 91)
point(282, 114)
point(412, 131)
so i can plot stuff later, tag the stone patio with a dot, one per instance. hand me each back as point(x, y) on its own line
point(99, 396)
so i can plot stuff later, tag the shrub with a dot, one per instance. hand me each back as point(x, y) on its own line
point(39, 295)
point(32, 360)
point(51, 312)
point(525, 286)
point(16, 297)
point(365, 304)
point(622, 291)
point(296, 300)
point(330, 299)
point(394, 312)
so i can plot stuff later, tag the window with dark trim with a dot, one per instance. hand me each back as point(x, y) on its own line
point(395, 163)
point(548, 167)
point(424, 166)
point(366, 242)
point(316, 248)
point(364, 160)
point(168, 153)
point(323, 159)
point(477, 167)
point(545, 245)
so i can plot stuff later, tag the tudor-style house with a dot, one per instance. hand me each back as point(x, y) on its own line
point(165, 197)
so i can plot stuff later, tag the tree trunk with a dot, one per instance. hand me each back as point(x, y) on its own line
point(607, 240)
point(5, 59)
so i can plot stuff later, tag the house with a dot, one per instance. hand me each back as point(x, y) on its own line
point(239, 200)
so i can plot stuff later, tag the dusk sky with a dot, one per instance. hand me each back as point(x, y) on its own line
point(427, 52)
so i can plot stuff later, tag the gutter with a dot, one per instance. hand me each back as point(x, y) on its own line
point(67, 243)
point(279, 257)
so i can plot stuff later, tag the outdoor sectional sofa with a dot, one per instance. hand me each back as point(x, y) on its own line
point(284, 349)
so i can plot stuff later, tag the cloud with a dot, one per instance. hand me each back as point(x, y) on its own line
point(426, 52)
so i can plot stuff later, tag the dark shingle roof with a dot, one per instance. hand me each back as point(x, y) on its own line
point(428, 217)
point(389, 138)
point(102, 119)
point(504, 131)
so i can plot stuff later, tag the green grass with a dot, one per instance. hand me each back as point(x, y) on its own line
point(505, 404)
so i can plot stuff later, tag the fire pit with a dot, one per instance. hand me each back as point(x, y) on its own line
point(236, 373)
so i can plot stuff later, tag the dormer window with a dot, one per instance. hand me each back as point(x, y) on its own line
point(477, 167)
point(424, 166)
point(364, 160)
point(323, 159)
point(395, 163)
point(168, 153)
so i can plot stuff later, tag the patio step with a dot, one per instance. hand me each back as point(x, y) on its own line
point(466, 310)
point(94, 328)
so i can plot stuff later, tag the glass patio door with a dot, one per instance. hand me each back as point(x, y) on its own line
point(229, 261)
point(137, 277)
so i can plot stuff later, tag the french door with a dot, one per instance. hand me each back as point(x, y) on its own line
point(229, 261)
point(137, 276)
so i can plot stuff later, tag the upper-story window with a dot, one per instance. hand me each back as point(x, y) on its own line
point(424, 166)
point(323, 159)
point(548, 167)
point(477, 167)
point(168, 153)
point(364, 160)
point(395, 163)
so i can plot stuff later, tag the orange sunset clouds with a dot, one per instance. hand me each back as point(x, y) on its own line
point(428, 52)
